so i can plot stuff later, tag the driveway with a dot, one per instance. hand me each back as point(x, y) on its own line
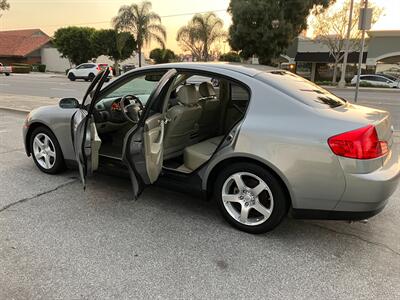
point(60, 242)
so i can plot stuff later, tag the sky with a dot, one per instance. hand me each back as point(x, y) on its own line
point(49, 15)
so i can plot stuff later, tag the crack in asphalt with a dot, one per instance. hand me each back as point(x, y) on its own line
point(359, 238)
point(37, 195)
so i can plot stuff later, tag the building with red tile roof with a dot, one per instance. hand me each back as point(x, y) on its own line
point(22, 46)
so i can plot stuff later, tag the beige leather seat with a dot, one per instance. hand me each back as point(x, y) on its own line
point(196, 155)
point(183, 121)
point(209, 120)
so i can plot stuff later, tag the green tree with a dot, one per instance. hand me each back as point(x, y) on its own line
point(75, 43)
point(199, 35)
point(330, 28)
point(143, 23)
point(161, 56)
point(118, 46)
point(4, 5)
point(266, 27)
point(230, 56)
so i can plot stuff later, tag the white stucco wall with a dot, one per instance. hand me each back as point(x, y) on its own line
point(53, 60)
point(134, 59)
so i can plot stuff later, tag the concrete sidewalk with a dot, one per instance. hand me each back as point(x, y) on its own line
point(42, 75)
point(23, 103)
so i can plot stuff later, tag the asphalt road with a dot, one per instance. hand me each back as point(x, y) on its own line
point(44, 85)
point(60, 242)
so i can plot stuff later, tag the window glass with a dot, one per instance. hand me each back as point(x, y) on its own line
point(381, 79)
point(369, 78)
point(239, 93)
point(141, 87)
point(300, 89)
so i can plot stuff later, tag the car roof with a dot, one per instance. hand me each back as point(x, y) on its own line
point(246, 69)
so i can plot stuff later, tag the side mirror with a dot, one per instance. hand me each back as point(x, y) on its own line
point(69, 103)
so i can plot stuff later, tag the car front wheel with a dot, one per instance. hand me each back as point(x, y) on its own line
point(71, 76)
point(250, 197)
point(46, 151)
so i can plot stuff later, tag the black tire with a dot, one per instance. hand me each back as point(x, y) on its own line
point(280, 203)
point(7, 74)
point(71, 76)
point(91, 77)
point(59, 163)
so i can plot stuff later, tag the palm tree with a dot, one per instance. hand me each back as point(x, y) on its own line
point(200, 34)
point(143, 23)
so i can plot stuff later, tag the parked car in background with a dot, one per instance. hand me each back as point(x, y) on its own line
point(128, 67)
point(5, 70)
point(264, 143)
point(378, 80)
point(87, 71)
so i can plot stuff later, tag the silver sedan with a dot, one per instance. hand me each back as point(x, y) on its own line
point(260, 142)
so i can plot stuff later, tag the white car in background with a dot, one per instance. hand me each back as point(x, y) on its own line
point(87, 71)
point(378, 80)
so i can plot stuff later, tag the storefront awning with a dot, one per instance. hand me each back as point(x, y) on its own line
point(326, 57)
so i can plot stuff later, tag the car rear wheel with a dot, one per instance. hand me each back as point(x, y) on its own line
point(250, 198)
point(91, 77)
point(46, 151)
point(71, 76)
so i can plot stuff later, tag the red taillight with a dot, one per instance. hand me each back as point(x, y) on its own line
point(361, 143)
point(98, 68)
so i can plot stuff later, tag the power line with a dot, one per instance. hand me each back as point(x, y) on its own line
point(109, 21)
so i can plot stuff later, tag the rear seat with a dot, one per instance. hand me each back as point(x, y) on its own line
point(196, 155)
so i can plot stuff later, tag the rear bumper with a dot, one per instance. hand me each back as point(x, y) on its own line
point(370, 191)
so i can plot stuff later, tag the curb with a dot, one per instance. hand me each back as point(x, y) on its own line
point(352, 89)
point(17, 110)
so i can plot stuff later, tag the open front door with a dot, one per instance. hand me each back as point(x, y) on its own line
point(143, 145)
point(84, 135)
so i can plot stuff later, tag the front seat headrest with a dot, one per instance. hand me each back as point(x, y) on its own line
point(187, 95)
point(207, 90)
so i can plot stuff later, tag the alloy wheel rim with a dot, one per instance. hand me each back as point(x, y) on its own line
point(44, 151)
point(247, 198)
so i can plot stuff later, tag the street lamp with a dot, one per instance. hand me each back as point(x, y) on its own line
point(342, 82)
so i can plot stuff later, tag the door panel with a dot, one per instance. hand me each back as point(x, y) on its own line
point(86, 143)
point(143, 144)
point(84, 134)
point(153, 145)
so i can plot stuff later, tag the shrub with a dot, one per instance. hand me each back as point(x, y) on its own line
point(42, 68)
point(230, 57)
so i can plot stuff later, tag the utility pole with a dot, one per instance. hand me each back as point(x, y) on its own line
point(364, 24)
point(342, 82)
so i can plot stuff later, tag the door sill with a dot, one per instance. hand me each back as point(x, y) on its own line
point(110, 156)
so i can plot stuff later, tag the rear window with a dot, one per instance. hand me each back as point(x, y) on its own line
point(301, 89)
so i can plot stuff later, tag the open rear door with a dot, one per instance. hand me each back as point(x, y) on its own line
point(84, 135)
point(143, 145)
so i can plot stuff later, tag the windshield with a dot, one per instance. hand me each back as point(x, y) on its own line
point(301, 89)
point(141, 87)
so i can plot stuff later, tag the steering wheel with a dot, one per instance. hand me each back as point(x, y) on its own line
point(131, 106)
